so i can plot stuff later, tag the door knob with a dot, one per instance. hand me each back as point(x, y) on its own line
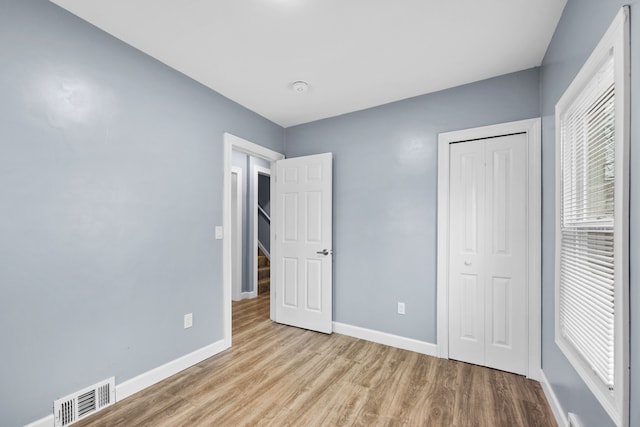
point(323, 252)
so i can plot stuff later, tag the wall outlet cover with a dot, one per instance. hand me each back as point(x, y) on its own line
point(188, 320)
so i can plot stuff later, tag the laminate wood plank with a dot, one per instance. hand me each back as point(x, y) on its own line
point(275, 375)
point(503, 406)
point(346, 411)
point(410, 398)
point(439, 395)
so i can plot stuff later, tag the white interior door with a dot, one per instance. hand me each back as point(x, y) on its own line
point(487, 261)
point(302, 249)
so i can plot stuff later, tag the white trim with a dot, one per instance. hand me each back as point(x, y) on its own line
point(248, 295)
point(264, 251)
point(554, 403)
point(47, 421)
point(149, 378)
point(616, 39)
point(573, 420)
point(232, 142)
point(534, 217)
point(442, 257)
point(257, 170)
point(386, 339)
point(235, 291)
point(154, 376)
point(534, 250)
point(272, 229)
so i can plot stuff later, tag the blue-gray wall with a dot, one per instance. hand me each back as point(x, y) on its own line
point(384, 195)
point(582, 25)
point(241, 160)
point(110, 188)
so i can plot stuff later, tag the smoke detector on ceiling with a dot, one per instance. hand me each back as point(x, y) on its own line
point(300, 86)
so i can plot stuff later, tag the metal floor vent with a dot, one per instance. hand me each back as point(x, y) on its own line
point(83, 403)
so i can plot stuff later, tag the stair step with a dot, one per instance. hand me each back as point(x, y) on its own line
point(264, 272)
point(264, 285)
point(263, 261)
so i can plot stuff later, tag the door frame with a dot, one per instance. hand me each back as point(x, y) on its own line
point(256, 172)
point(532, 128)
point(236, 293)
point(230, 143)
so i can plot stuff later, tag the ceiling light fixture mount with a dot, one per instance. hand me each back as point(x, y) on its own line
point(300, 86)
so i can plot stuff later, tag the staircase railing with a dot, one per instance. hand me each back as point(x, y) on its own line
point(264, 214)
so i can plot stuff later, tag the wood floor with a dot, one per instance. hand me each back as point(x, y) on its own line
point(276, 375)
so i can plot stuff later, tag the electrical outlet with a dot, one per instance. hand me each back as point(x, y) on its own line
point(188, 320)
point(401, 308)
point(219, 232)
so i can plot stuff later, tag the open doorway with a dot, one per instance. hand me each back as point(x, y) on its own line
point(250, 225)
point(262, 226)
point(303, 253)
point(258, 161)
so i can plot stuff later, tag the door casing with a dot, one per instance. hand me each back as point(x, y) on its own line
point(532, 129)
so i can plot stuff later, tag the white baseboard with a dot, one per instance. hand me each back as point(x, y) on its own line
point(246, 295)
point(42, 422)
point(386, 339)
point(153, 376)
point(561, 419)
point(158, 374)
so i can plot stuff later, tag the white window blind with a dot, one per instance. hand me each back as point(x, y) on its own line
point(586, 260)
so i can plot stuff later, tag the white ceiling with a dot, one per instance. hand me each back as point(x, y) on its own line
point(354, 54)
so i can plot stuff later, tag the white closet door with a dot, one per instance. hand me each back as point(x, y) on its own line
point(488, 229)
point(466, 263)
point(505, 251)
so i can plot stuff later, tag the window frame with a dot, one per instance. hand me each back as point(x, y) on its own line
point(615, 42)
